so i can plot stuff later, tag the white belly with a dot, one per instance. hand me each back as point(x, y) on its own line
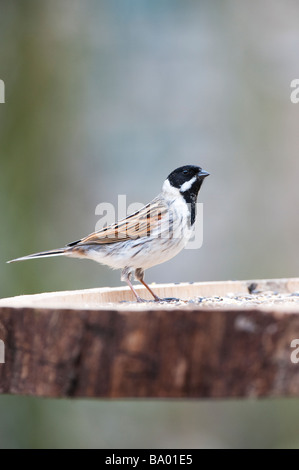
point(141, 253)
point(161, 245)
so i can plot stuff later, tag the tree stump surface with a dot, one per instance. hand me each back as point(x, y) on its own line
point(91, 344)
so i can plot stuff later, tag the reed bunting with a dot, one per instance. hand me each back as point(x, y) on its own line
point(150, 236)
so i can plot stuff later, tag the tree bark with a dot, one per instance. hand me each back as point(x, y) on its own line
point(187, 352)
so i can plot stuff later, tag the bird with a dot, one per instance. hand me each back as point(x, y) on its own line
point(150, 236)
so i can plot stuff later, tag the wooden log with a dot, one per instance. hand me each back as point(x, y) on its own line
point(87, 344)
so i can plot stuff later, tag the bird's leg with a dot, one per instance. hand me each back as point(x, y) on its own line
point(126, 275)
point(139, 274)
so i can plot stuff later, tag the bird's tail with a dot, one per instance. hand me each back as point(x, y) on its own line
point(58, 252)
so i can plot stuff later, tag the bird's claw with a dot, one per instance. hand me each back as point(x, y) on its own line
point(167, 299)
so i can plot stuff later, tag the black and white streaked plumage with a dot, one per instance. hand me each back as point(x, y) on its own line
point(150, 236)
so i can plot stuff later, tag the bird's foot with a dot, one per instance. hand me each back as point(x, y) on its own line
point(167, 299)
point(140, 300)
point(157, 299)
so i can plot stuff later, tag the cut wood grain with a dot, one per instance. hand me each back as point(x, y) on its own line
point(99, 298)
point(85, 344)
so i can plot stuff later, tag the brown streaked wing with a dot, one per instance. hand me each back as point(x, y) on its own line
point(136, 225)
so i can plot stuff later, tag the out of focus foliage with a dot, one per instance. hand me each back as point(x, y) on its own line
point(106, 98)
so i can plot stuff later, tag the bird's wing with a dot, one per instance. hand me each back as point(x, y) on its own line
point(137, 225)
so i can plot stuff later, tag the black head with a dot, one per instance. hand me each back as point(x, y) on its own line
point(188, 179)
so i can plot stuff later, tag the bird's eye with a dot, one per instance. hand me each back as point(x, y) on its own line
point(185, 172)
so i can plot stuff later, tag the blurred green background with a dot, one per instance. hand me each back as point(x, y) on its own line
point(106, 97)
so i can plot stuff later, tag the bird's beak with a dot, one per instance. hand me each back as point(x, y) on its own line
point(202, 174)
